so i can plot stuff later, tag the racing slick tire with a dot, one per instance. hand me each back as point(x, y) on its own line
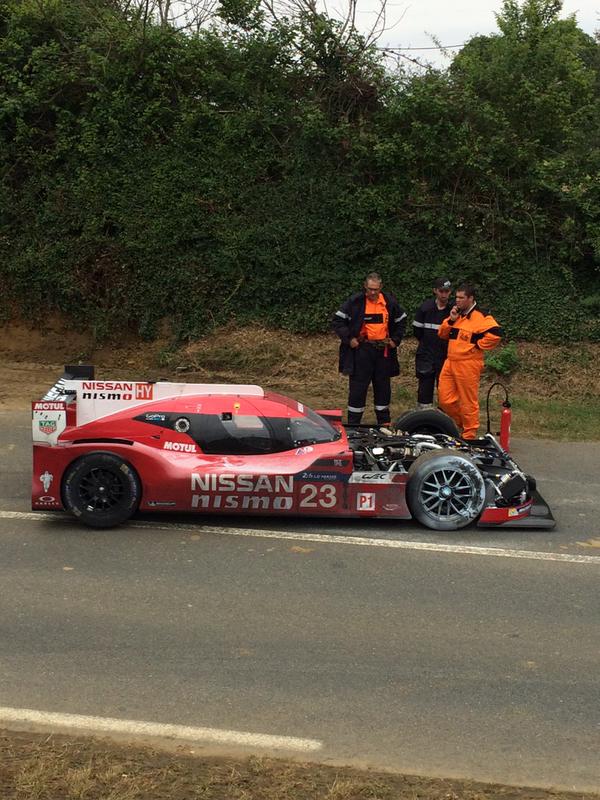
point(430, 420)
point(101, 489)
point(445, 490)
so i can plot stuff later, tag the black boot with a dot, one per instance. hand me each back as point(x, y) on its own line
point(383, 417)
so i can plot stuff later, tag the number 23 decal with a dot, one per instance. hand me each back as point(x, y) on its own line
point(323, 496)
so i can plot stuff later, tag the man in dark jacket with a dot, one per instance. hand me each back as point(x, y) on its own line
point(431, 351)
point(371, 325)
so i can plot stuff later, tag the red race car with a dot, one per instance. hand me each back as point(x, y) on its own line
point(104, 450)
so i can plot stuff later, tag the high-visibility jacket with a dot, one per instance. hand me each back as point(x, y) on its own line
point(470, 334)
point(375, 326)
point(349, 320)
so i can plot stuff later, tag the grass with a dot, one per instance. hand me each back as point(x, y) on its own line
point(60, 767)
point(571, 420)
point(555, 389)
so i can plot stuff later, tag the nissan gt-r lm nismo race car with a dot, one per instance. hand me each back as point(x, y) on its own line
point(104, 450)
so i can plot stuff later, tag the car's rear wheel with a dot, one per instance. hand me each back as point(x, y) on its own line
point(101, 489)
point(445, 490)
point(430, 420)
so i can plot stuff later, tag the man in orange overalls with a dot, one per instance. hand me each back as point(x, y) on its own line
point(469, 331)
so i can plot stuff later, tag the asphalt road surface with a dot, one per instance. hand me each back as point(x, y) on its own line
point(471, 654)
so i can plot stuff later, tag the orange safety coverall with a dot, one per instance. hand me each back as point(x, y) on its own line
point(458, 389)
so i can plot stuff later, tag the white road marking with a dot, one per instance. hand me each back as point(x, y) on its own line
point(325, 538)
point(140, 728)
point(25, 515)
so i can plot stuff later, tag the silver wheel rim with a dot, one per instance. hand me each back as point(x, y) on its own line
point(449, 494)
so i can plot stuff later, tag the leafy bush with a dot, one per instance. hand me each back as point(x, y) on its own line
point(503, 360)
point(257, 172)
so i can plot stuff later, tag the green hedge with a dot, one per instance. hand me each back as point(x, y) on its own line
point(148, 174)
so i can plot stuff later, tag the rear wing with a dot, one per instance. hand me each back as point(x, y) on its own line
point(77, 398)
point(59, 392)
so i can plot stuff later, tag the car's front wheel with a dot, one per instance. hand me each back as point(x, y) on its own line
point(445, 490)
point(101, 489)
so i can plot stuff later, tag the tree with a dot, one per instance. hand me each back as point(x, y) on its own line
point(147, 168)
point(531, 112)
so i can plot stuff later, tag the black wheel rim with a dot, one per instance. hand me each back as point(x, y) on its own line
point(449, 494)
point(101, 489)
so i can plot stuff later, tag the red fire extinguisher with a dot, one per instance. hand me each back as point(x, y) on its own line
point(505, 420)
point(505, 417)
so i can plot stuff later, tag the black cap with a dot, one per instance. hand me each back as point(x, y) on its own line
point(442, 283)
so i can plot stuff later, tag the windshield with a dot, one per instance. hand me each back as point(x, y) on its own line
point(312, 429)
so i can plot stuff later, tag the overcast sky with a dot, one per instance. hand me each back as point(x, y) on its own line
point(453, 22)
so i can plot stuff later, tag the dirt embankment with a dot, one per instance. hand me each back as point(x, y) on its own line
point(302, 366)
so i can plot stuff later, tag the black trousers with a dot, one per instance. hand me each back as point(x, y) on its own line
point(427, 383)
point(427, 370)
point(371, 366)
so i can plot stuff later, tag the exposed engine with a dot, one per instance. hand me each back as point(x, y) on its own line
point(383, 450)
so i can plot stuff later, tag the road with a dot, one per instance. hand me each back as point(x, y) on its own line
point(475, 658)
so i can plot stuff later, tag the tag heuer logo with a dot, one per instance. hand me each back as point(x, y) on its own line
point(48, 426)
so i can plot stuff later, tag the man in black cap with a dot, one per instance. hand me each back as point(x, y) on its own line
point(431, 352)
